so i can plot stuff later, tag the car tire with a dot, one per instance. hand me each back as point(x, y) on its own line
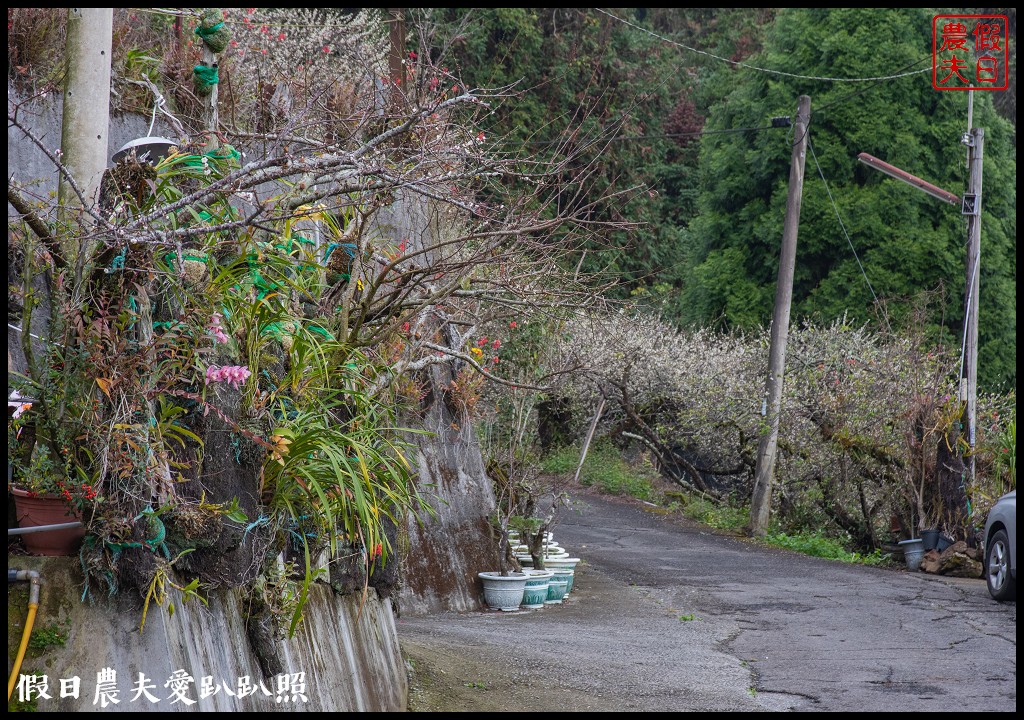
point(997, 567)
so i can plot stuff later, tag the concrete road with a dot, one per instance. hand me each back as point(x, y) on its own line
point(668, 616)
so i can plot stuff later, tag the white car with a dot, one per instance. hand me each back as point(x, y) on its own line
point(1001, 548)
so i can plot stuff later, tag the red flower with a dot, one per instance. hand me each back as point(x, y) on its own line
point(412, 55)
point(512, 324)
point(496, 344)
point(482, 341)
point(327, 48)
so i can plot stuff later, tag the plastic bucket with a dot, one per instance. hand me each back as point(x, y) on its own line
point(913, 552)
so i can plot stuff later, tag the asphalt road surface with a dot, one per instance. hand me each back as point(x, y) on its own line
point(666, 615)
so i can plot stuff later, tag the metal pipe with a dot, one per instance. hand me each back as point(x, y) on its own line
point(44, 528)
point(34, 580)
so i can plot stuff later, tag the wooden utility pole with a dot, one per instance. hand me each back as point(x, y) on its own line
point(211, 116)
point(396, 55)
point(972, 209)
point(760, 506)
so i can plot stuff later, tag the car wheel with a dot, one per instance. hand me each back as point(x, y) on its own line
point(997, 567)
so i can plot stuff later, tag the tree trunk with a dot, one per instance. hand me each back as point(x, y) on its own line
point(949, 503)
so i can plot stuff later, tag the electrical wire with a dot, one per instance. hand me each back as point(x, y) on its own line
point(967, 312)
point(843, 226)
point(754, 67)
point(862, 90)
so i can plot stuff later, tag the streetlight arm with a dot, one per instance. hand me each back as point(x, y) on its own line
point(904, 176)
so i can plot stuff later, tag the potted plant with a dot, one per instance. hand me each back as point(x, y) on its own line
point(532, 506)
point(503, 588)
point(45, 491)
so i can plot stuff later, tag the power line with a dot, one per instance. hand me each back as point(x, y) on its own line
point(754, 67)
point(854, 94)
point(843, 226)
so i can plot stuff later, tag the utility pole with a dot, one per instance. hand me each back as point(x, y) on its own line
point(211, 116)
point(396, 55)
point(950, 460)
point(975, 140)
point(84, 126)
point(760, 506)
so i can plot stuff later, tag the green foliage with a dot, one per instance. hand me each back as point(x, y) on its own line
point(907, 241)
point(717, 515)
point(561, 461)
point(817, 545)
point(604, 468)
point(163, 577)
point(337, 468)
point(43, 638)
point(1006, 454)
point(15, 705)
point(579, 73)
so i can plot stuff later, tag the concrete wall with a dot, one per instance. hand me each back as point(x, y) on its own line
point(447, 550)
point(346, 646)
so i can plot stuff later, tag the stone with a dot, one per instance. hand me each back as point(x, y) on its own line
point(954, 561)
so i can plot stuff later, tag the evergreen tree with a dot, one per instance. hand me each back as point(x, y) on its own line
point(907, 242)
point(590, 86)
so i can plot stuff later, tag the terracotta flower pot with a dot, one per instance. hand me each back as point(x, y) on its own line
point(34, 511)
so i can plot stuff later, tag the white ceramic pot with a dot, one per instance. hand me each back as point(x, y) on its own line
point(503, 592)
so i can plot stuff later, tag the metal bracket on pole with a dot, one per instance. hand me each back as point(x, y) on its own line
point(970, 205)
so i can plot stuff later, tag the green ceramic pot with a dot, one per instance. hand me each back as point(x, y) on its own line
point(557, 586)
point(536, 593)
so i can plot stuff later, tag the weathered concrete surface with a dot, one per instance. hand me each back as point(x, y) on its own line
point(29, 165)
point(447, 551)
point(346, 646)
